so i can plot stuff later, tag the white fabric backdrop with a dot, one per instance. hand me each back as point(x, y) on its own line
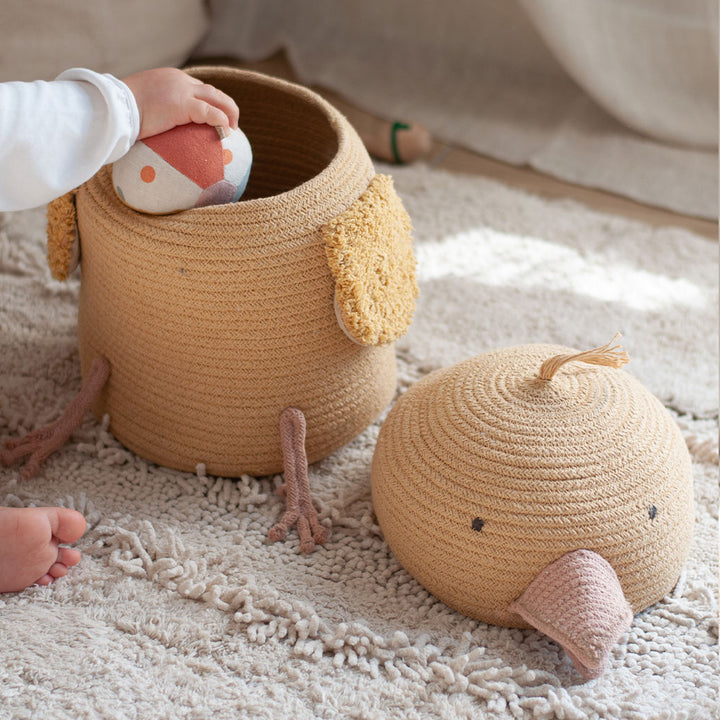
point(478, 74)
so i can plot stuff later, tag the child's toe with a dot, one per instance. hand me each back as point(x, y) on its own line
point(57, 570)
point(68, 556)
point(67, 525)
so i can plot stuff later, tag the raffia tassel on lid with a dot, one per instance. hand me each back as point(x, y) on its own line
point(609, 355)
point(490, 471)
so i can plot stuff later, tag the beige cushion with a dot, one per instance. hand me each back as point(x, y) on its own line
point(40, 39)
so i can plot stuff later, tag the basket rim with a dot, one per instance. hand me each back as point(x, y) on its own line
point(337, 121)
point(287, 215)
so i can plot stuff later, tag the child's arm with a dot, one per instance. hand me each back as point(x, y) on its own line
point(56, 135)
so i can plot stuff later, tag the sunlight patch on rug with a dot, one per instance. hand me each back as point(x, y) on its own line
point(503, 259)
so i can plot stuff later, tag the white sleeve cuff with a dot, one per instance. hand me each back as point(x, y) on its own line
point(122, 111)
point(56, 135)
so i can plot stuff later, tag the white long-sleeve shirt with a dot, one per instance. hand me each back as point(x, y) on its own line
point(56, 135)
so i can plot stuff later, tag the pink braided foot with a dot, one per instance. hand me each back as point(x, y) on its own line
point(39, 444)
point(296, 490)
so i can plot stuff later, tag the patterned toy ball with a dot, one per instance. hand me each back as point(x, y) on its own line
point(189, 166)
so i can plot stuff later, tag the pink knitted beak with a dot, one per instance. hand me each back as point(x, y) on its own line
point(578, 602)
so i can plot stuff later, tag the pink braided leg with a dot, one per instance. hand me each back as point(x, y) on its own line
point(299, 508)
point(44, 441)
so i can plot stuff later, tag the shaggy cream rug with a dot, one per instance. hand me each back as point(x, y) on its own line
point(181, 609)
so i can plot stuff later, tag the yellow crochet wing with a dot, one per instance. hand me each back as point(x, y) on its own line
point(369, 250)
point(63, 253)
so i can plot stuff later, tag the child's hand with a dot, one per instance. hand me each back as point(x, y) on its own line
point(167, 97)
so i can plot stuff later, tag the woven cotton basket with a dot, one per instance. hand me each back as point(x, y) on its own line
point(216, 319)
point(485, 473)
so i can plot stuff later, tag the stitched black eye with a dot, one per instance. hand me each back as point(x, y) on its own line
point(478, 524)
point(652, 512)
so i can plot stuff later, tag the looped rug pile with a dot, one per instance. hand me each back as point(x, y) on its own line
point(181, 608)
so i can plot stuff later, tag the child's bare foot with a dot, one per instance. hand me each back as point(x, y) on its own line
point(29, 540)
